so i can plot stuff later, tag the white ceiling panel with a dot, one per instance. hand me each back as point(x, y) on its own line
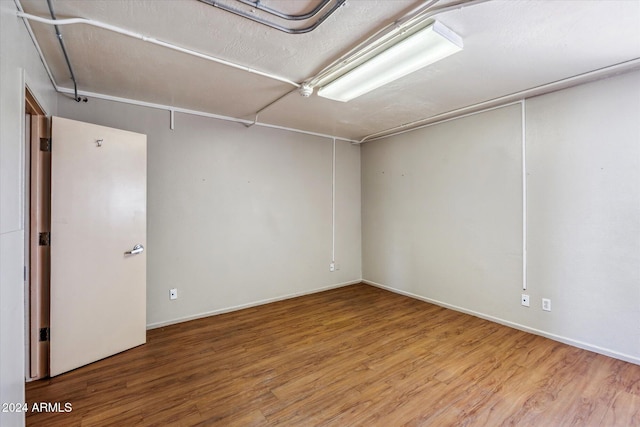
point(509, 46)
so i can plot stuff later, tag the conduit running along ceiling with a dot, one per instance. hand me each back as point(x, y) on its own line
point(509, 46)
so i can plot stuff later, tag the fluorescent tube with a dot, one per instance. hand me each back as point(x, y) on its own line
point(425, 47)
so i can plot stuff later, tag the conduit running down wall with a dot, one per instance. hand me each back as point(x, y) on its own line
point(577, 200)
point(66, 56)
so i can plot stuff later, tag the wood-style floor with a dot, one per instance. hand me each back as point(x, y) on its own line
point(354, 356)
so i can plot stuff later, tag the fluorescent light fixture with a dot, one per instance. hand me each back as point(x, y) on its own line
point(423, 48)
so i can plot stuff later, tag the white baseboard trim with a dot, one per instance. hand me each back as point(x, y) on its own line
point(248, 305)
point(564, 340)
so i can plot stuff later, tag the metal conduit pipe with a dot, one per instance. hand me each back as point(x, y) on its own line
point(499, 102)
point(376, 40)
point(381, 37)
point(323, 18)
point(135, 35)
point(256, 4)
point(273, 25)
point(257, 113)
point(386, 35)
point(422, 12)
point(66, 56)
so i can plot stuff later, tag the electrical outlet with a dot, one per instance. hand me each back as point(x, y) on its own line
point(173, 293)
point(525, 300)
point(546, 304)
point(332, 267)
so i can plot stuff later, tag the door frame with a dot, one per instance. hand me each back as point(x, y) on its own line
point(37, 201)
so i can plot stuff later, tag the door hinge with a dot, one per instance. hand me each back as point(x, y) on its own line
point(24, 273)
point(44, 334)
point(45, 144)
point(44, 239)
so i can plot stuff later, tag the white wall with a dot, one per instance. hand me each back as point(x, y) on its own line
point(442, 211)
point(237, 216)
point(583, 164)
point(17, 56)
point(240, 216)
point(442, 215)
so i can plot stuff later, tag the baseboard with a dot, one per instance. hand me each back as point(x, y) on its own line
point(564, 340)
point(248, 305)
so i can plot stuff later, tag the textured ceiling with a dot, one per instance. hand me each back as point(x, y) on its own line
point(509, 46)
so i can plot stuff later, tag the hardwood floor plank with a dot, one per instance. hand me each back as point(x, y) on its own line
point(356, 356)
point(624, 411)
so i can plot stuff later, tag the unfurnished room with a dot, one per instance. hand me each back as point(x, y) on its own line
point(319, 213)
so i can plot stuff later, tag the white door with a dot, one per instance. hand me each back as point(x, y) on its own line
point(98, 214)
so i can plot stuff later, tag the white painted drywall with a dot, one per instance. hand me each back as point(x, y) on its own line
point(442, 215)
point(583, 164)
point(442, 211)
point(18, 58)
point(237, 216)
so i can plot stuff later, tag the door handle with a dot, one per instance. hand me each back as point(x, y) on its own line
point(136, 250)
